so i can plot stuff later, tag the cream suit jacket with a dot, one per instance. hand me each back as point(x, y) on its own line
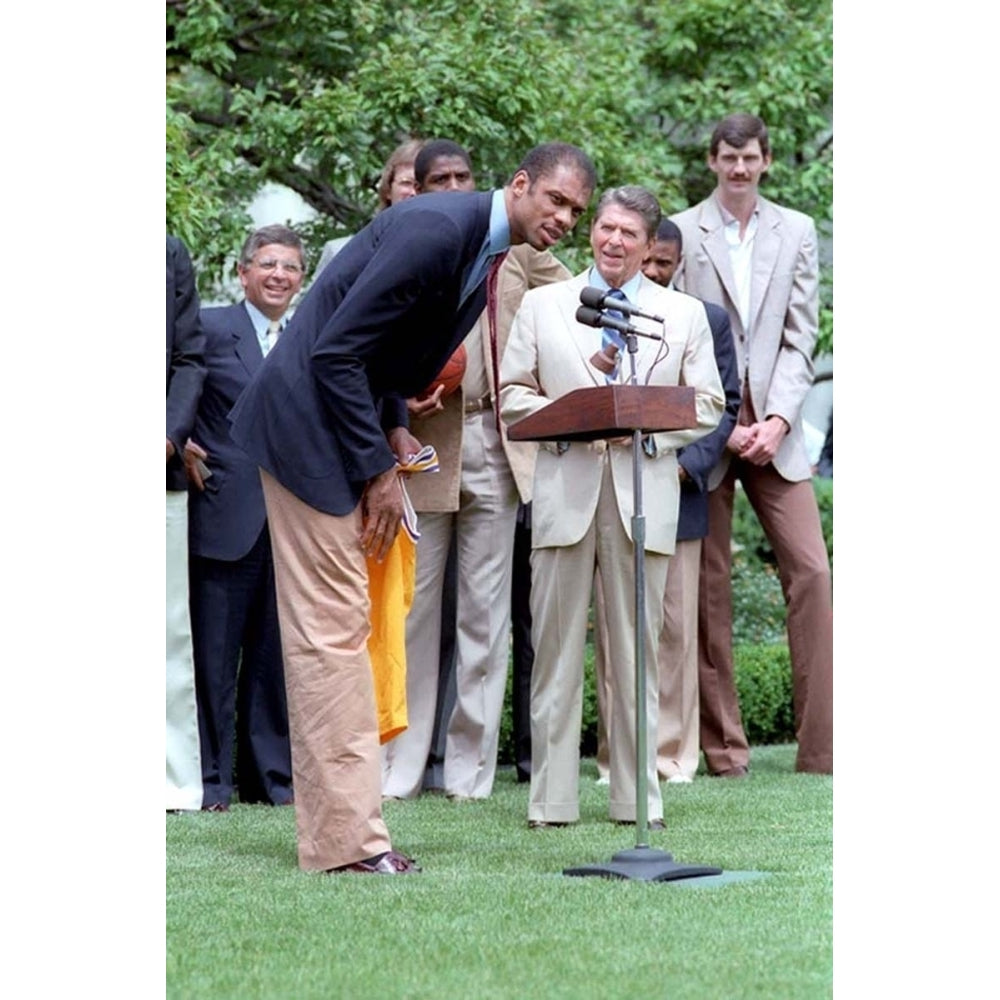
point(548, 354)
point(524, 268)
point(784, 306)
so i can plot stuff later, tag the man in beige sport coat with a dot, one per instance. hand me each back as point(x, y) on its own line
point(583, 504)
point(759, 261)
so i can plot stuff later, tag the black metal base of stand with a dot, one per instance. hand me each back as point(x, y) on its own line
point(645, 864)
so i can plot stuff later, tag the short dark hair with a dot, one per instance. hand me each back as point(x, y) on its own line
point(669, 232)
point(544, 159)
point(636, 199)
point(272, 234)
point(431, 151)
point(737, 130)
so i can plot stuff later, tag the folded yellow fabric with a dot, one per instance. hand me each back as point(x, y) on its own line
point(390, 587)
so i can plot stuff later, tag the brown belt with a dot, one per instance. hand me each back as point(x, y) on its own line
point(479, 405)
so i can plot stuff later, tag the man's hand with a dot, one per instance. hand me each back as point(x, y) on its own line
point(170, 449)
point(404, 445)
point(428, 405)
point(742, 437)
point(194, 464)
point(767, 439)
point(381, 513)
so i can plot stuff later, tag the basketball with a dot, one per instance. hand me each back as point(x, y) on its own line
point(450, 376)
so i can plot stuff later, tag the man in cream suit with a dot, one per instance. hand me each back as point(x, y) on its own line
point(759, 261)
point(583, 504)
point(474, 496)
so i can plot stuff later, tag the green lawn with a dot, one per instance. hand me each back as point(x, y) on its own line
point(492, 915)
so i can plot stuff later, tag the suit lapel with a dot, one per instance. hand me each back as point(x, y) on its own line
point(649, 300)
point(716, 248)
point(586, 340)
point(247, 345)
point(765, 256)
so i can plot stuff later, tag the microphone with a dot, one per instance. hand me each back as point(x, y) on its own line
point(594, 317)
point(597, 299)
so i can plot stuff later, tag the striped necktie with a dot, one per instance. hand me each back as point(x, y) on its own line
point(273, 329)
point(609, 337)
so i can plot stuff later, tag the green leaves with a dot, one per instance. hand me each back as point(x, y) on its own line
point(315, 97)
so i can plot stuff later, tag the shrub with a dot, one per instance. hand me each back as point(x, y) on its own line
point(758, 604)
point(763, 675)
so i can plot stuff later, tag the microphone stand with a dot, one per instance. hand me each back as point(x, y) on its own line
point(643, 863)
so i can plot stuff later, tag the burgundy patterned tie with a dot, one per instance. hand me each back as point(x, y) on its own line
point(491, 317)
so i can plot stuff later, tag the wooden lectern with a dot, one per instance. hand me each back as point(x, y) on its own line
point(608, 412)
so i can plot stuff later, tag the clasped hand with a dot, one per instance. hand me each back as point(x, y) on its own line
point(382, 503)
point(758, 443)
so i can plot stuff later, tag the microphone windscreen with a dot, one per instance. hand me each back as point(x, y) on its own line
point(588, 316)
point(591, 296)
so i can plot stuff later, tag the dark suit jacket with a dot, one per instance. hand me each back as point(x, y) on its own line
point(700, 458)
point(226, 519)
point(185, 356)
point(375, 327)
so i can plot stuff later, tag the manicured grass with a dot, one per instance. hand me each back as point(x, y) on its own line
point(492, 915)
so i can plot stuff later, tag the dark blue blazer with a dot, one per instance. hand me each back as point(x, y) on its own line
point(185, 356)
point(226, 519)
point(376, 326)
point(700, 457)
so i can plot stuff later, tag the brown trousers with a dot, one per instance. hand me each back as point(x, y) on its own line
point(790, 519)
point(321, 579)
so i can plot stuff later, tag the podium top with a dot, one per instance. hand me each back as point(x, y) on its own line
point(609, 411)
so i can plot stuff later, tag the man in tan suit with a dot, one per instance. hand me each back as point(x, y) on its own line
point(583, 504)
point(759, 261)
point(474, 497)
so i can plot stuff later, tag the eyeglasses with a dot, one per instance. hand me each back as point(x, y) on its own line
point(272, 265)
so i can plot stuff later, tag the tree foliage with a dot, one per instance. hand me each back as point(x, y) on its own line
point(315, 96)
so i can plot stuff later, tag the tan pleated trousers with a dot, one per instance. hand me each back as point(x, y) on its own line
point(560, 597)
point(323, 609)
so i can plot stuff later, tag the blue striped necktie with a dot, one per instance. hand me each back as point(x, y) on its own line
point(609, 337)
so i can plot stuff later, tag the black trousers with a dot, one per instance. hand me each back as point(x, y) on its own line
point(239, 678)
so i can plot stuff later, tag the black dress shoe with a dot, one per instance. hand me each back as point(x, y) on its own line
point(390, 863)
point(216, 807)
point(543, 824)
point(653, 824)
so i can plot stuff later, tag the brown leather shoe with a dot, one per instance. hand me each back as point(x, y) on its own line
point(390, 863)
point(740, 771)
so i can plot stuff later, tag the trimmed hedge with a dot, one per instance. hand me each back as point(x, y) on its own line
point(763, 683)
point(763, 676)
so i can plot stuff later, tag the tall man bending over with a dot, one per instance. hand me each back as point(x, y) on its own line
point(325, 418)
point(759, 261)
